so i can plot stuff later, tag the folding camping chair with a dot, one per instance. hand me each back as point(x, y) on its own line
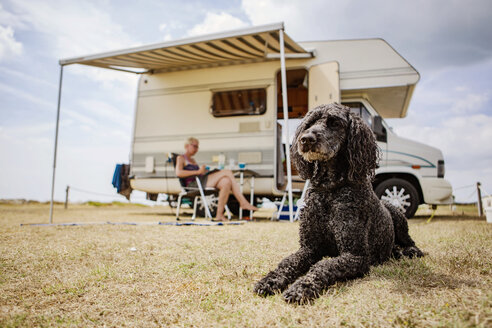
point(300, 202)
point(198, 194)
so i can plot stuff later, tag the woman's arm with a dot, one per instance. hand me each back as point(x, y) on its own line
point(182, 173)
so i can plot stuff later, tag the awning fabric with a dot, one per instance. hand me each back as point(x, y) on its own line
point(229, 48)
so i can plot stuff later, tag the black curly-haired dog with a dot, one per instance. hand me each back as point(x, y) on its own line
point(342, 219)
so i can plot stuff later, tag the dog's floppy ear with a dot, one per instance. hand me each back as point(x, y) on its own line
point(362, 150)
point(304, 168)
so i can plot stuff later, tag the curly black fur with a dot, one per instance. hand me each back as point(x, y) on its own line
point(342, 218)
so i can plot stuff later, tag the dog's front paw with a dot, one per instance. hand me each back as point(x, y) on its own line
point(269, 285)
point(412, 251)
point(301, 292)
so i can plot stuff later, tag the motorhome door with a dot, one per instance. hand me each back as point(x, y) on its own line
point(324, 84)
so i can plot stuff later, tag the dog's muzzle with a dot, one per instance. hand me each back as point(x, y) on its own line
point(307, 142)
point(309, 148)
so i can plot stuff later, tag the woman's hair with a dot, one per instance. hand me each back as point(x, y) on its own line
point(190, 140)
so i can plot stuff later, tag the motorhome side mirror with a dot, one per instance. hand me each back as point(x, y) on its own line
point(378, 128)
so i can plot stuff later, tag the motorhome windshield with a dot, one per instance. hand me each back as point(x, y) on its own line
point(361, 110)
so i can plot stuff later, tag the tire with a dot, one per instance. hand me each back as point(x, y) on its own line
point(400, 193)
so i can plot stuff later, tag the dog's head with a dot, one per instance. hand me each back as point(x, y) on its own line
point(332, 134)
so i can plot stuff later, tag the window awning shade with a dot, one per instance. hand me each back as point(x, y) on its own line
point(256, 44)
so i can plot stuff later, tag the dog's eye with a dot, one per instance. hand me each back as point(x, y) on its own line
point(333, 123)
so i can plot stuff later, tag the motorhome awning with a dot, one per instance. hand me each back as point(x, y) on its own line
point(249, 45)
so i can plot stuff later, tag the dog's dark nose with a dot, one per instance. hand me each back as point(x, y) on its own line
point(308, 139)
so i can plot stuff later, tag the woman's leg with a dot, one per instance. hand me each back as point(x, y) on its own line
point(224, 186)
point(214, 178)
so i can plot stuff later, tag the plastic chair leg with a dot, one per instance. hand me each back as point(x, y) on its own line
point(179, 206)
point(204, 200)
point(300, 203)
point(228, 212)
point(195, 205)
point(281, 205)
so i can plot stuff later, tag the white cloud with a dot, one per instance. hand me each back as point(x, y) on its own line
point(76, 118)
point(168, 37)
point(121, 83)
point(27, 77)
point(21, 94)
point(77, 27)
point(73, 29)
point(26, 131)
point(9, 46)
point(270, 11)
point(9, 19)
point(456, 100)
point(470, 103)
point(105, 111)
point(459, 137)
point(165, 28)
point(217, 23)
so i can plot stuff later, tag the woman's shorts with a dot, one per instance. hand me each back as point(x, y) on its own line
point(203, 181)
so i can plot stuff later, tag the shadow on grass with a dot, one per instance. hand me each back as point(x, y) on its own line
point(406, 276)
point(444, 218)
point(416, 276)
point(167, 213)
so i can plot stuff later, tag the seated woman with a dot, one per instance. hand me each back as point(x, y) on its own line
point(187, 168)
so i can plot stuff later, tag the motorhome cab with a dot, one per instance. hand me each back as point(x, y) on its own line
point(410, 173)
point(225, 89)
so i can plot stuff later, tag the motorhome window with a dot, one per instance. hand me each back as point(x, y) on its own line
point(361, 110)
point(239, 102)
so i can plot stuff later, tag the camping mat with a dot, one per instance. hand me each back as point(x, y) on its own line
point(207, 223)
point(189, 223)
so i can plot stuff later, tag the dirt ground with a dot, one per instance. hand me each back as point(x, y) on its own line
point(150, 275)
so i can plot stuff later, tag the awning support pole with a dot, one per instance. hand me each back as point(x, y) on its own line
point(286, 123)
point(56, 144)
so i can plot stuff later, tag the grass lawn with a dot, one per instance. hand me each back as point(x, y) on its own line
point(190, 276)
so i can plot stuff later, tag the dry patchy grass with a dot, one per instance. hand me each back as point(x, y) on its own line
point(145, 276)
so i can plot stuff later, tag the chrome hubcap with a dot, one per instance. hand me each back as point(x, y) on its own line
point(397, 197)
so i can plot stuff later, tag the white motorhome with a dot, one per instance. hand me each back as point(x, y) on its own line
point(225, 89)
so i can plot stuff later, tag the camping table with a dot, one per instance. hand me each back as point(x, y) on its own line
point(246, 173)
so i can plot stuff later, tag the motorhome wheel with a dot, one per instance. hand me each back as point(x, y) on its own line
point(400, 193)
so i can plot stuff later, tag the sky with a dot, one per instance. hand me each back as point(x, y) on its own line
point(448, 41)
